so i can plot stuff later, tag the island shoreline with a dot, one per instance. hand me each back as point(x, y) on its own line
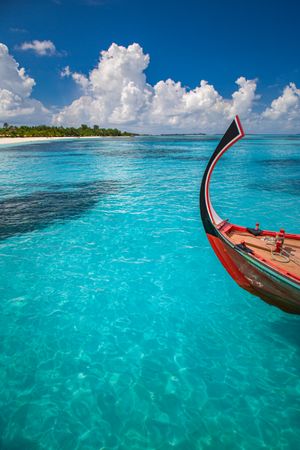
point(32, 140)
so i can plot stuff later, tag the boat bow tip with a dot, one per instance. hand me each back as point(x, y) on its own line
point(209, 216)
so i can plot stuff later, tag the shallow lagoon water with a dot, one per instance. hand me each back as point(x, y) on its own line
point(119, 327)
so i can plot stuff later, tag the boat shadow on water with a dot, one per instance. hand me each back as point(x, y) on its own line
point(27, 213)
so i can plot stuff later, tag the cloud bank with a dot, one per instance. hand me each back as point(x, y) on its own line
point(16, 104)
point(116, 94)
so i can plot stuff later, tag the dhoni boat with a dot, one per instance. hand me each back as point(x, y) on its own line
point(264, 263)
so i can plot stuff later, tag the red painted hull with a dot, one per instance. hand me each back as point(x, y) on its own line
point(255, 280)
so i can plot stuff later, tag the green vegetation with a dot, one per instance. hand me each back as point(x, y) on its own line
point(46, 131)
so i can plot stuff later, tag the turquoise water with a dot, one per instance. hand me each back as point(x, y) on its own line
point(119, 327)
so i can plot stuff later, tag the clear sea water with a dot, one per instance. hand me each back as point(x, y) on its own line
point(119, 328)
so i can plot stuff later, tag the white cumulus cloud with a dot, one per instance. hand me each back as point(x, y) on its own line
point(286, 106)
point(16, 103)
point(41, 48)
point(115, 92)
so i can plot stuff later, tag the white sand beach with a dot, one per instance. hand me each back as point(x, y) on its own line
point(20, 140)
point(31, 140)
point(24, 140)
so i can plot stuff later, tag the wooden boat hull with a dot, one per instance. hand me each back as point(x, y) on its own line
point(256, 280)
point(252, 257)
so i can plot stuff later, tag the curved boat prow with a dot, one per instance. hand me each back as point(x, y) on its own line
point(209, 216)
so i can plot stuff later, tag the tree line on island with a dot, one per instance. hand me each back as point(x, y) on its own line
point(47, 131)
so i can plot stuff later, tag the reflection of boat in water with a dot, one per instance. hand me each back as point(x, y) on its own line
point(265, 263)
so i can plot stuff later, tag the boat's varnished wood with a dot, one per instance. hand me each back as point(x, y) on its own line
point(259, 246)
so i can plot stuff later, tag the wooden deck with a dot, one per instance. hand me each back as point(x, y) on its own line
point(262, 246)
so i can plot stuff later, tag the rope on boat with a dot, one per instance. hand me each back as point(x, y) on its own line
point(296, 260)
point(283, 256)
point(280, 257)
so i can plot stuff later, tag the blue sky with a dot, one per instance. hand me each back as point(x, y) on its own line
point(187, 41)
